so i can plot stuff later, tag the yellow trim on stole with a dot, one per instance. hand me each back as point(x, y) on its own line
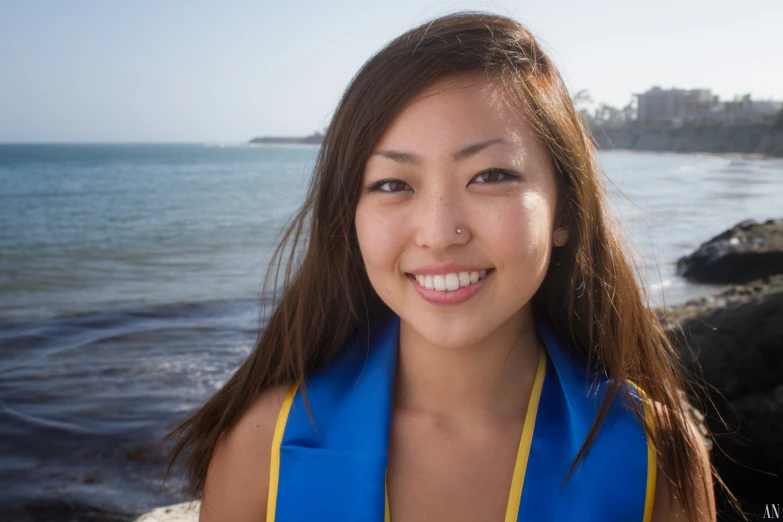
point(515, 496)
point(652, 462)
point(386, 510)
point(274, 464)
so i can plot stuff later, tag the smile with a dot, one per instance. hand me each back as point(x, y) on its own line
point(450, 289)
point(449, 282)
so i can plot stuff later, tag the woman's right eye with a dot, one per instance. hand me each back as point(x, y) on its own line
point(393, 185)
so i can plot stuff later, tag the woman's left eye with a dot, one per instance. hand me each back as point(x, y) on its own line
point(491, 176)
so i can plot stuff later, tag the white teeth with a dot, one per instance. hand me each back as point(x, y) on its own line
point(440, 282)
point(450, 282)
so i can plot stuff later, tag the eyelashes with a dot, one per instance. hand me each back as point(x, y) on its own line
point(505, 176)
point(376, 187)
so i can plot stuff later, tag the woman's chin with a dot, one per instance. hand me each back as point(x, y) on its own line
point(447, 333)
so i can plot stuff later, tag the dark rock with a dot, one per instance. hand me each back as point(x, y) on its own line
point(57, 510)
point(735, 342)
point(747, 252)
point(736, 337)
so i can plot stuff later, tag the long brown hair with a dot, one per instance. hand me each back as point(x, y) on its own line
point(591, 295)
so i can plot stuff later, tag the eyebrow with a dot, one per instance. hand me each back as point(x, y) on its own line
point(460, 155)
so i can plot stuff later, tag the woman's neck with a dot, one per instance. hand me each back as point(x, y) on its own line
point(491, 379)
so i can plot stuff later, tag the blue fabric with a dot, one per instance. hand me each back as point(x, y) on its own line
point(337, 471)
point(610, 483)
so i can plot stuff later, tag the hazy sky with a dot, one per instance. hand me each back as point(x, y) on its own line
point(225, 71)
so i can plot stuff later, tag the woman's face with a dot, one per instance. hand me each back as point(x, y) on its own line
point(457, 158)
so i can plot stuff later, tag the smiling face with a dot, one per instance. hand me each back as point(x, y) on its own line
point(458, 157)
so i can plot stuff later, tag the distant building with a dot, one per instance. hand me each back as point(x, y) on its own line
point(672, 107)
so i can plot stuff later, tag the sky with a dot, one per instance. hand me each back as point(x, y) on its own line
point(226, 71)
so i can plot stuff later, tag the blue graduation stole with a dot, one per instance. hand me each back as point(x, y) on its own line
point(338, 471)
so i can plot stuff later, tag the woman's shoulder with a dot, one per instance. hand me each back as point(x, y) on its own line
point(666, 506)
point(240, 465)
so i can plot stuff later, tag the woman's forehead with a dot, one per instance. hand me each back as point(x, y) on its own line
point(454, 112)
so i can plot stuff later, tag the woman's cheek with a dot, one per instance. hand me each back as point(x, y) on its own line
point(378, 237)
point(527, 229)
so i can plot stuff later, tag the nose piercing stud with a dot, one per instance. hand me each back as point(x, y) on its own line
point(459, 231)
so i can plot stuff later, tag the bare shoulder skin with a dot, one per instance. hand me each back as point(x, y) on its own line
point(237, 481)
point(669, 509)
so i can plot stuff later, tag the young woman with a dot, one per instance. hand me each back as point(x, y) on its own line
point(462, 337)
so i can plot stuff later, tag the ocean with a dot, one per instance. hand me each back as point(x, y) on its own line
point(130, 284)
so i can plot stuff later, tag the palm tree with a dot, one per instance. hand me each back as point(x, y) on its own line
point(582, 100)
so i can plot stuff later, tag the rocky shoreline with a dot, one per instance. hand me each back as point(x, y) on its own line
point(734, 341)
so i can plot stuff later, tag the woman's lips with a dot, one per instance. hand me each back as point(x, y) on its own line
point(455, 297)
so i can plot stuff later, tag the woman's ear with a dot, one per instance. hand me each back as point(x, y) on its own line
point(561, 237)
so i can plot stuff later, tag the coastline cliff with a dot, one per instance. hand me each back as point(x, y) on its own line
point(757, 139)
point(313, 139)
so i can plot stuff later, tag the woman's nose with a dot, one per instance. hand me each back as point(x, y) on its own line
point(438, 218)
